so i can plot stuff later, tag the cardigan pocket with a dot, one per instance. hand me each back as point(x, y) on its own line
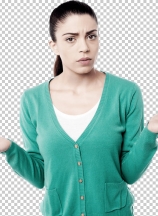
point(51, 204)
point(115, 196)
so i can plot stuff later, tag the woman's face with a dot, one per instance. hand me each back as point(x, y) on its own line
point(73, 47)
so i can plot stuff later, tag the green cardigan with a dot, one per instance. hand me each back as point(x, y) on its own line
point(89, 176)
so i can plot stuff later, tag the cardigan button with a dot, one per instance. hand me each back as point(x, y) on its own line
point(82, 214)
point(79, 163)
point(76, 145)
point(80, 180)
point(82, 197)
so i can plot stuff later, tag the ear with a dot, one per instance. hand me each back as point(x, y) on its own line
point(53, 46)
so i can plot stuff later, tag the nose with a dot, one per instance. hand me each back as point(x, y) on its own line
point(83, 46)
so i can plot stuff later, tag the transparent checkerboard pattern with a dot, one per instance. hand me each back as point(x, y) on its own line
point(128, 48)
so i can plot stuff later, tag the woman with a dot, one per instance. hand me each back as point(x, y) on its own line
point(83, 130)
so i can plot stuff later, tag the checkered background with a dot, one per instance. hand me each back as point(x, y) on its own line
point(128, 48)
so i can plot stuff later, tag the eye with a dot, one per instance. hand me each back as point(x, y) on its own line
point(73, 38)
point(94, 36)
point(68, 39)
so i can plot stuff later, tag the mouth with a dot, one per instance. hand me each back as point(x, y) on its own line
point(84, 62)
point(84, 59)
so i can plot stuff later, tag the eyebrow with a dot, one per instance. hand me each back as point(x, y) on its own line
point(78, 34)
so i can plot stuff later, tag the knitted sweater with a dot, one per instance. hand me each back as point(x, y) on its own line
point(88, 176)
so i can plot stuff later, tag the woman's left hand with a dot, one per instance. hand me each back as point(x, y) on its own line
point(153, 124)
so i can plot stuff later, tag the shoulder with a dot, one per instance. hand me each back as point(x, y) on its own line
point(123, 85)
point(34, 94)
point(123, 91)
point(33, 100)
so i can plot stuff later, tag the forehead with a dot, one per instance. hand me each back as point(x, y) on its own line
point(77, 23)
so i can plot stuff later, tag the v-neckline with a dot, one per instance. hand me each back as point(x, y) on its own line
point(91, 123)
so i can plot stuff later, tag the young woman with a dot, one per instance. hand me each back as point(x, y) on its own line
point(83, 130)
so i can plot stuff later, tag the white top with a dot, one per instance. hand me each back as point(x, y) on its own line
point(74, 125)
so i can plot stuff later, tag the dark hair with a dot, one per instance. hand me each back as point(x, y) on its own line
point(58, 15)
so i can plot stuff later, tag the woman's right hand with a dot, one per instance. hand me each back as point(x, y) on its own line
point(4, 144)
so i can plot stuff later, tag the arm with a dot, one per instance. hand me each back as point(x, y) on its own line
point(139, 143)
point(27, 163)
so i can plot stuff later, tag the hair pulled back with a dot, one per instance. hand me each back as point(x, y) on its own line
point(58, 15)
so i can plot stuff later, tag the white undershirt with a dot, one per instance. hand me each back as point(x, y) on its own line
point(74, 125)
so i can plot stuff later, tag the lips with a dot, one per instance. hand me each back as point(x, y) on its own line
point(84, 59)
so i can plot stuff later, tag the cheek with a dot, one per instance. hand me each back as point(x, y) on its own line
point(94, 51)
point(97, 46)
point(68, 53)
point(68, 58)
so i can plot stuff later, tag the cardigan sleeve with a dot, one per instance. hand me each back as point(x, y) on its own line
point(27, 163)
point(139, 143)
